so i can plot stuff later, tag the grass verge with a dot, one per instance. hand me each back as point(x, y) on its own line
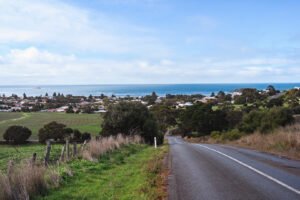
point(132, 172)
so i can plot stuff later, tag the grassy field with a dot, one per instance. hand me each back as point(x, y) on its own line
point(128, 173)
point(83, 122)
point(18, 153)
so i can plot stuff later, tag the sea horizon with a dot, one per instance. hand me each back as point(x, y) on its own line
point(136, 89)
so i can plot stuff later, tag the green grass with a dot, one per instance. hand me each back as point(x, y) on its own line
point(18, 153)
point(8, 116)
point(34, 121)
point(123, 174)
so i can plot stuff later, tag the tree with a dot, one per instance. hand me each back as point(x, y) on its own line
point(24, 96)
point(165, 115)
point(70, 109)
point(86, 137)
point(150, 98)
point(266, 121)
point(271, 90)
point(53, 130)
point(76, 136)
point(87, 109)
point(17, 134)
point(275, 102)
point(131, 118)
point(202, 119)
point(46, 95)
point(54, 94)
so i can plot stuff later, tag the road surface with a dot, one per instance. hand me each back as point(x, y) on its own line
point(219, 172)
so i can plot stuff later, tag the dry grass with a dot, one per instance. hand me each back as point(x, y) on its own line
point(96, 148)
point(26, 180)
point(283, 141)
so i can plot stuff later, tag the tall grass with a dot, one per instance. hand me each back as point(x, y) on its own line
point(26, 180)
point(96, 148)
point(284, 141)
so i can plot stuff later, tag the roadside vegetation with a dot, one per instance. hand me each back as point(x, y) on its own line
point(284, 141)
point(30, 178)
point(117, 164)
point(132, 172)
point(265, 120)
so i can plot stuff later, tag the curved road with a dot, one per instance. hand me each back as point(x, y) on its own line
point(219, 172)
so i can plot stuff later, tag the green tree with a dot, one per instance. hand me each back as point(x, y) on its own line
point(271, 90)
point(202, 119)
point(17, 134)
point(166, 116)
point(70, 109)
point(131, 118)
point(52, 130)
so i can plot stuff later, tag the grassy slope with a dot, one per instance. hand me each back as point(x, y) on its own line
point(18, 153)
point(124, 174)
point(34, 121)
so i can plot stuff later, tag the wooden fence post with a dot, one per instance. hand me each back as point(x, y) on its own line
point(68, 148)
point(47, 155)
point(82, 146)
point(62, 155)
point(33, 159)
point(75, 149)
point(10, 167)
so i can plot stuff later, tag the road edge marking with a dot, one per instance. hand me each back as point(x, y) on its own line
point(254, 169)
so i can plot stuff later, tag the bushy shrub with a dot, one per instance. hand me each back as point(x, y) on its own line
point(266, 121)
point(230, 135)
point(53, 130)
point(215, 135)
point(17, 134)
point(233, 134)
point(131, 118)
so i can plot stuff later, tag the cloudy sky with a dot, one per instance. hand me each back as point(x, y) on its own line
point(149, 41)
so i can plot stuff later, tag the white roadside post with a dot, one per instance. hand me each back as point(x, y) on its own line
point(155, 144)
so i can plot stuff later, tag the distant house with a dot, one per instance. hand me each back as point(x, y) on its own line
point(182, 105)
point(62, 109)
point(236, 94)
point(207, 99)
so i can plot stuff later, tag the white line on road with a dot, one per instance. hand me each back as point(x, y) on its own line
point(255, 170)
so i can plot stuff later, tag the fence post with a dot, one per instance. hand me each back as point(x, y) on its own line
point(155, 143)
point(62, 155)
point(75, 149)
point(10, 166)
point(82, 146)
point(68, 148)
point(48, 150)
point(33, 159)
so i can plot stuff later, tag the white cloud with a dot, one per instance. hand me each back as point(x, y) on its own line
point(60, 25)
point(35, 66)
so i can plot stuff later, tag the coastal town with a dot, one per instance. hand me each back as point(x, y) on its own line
point(61, 103)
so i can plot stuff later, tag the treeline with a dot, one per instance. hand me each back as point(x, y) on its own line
point(53, 130)
point(202, 120)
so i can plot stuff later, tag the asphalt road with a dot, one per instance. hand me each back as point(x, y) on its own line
point(219, 172)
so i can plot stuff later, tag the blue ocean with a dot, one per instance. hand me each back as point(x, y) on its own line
point(137, 89)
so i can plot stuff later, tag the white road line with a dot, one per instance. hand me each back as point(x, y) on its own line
point(255, 170)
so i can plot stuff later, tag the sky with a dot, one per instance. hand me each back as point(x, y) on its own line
point(46, 42)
